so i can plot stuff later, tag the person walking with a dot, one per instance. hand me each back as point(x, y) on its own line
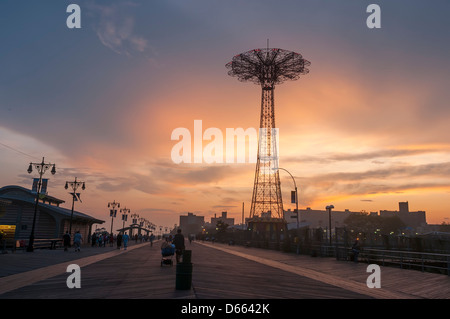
point(94, 239)
point(66, 240)
point(125, 241)
point(119, 240)
point(99, 240)
point(77, 239)
point(152, 237)
point(178, 241)
point(355, 250)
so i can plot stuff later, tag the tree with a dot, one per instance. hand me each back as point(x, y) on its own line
point(365, 223)
point(221, 227)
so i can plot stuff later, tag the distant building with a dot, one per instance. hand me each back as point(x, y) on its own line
point(52, 221)
point(314, 218)
point(411, 219)
point(320, 218)
point(191, 224)
point(223, 219)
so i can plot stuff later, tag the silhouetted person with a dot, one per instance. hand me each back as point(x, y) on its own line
point(119, 240)
point(355, 250)
point(94, 239)
point(152, 237)
point(66, 240)
point(178, 241)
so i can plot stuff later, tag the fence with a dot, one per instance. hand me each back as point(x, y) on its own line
point(395, 251)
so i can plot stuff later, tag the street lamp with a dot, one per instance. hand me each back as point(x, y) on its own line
point(296, 205)
point(41, 168)
point(74, 185)
point(133, 221)
point(112, 212)
point(124, 212)
point(135, 218)
point(296, 194)
point(329, 208)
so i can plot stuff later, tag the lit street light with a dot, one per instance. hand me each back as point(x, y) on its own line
point(41, 168)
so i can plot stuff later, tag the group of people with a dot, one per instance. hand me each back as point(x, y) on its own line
point(77, 239)
point(122, 238)
point(100, 240)
point(97, 240)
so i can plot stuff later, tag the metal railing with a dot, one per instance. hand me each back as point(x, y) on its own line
point(423, 261)
point(404, 259)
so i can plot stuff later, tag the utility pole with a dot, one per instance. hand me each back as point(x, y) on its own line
point(329, 208)
point(243, 216)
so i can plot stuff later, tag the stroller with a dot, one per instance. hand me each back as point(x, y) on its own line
point(167, 254)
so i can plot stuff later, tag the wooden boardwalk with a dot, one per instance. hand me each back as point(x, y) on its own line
point(395, 283)
point(219, 272)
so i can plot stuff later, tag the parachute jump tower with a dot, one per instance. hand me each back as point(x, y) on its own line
point(267, 67)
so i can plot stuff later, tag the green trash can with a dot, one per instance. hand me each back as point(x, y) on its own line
point(187, 256)
point(184, 272)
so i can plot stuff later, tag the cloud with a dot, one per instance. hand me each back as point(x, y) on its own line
point(400, 171)
point(190, 174)
point(115, 28)
point(395, 179)
point(373, 155)
point(139, 182)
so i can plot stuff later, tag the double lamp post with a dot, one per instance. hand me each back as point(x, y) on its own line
point(42, 167)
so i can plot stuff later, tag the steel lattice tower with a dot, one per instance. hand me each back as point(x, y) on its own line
point(267, 67)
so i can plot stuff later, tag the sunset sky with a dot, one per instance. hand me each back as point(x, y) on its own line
point(368, 127)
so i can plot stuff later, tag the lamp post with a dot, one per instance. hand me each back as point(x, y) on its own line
point(133, 221)
point(113, 212)
point(296, 194)
point(74, 185)
point(41, 168)
point(329, 208)
point(296, 205)
point(124, 212)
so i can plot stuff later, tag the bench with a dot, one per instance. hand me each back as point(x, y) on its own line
point(51, 243)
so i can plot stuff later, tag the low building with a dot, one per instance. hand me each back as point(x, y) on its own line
point(17, 207)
